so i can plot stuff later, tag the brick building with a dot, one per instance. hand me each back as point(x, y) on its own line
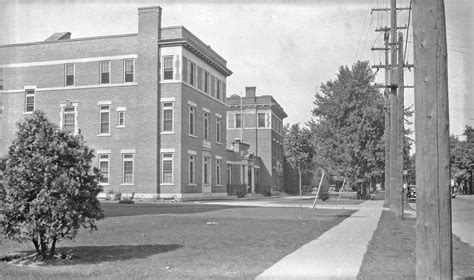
point(258, 121)
point(151, 104)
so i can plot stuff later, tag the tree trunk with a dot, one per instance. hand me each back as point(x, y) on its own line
point(53, 248)
point(35, 242)
point(301, 204)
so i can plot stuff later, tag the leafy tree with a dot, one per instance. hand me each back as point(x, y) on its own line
point(348, 125)
point(50, 186)
point(462, 157)
point(300, 151)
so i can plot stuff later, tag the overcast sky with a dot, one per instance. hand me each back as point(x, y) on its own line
point(284, 48)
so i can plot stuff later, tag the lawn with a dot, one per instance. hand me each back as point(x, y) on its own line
point(391, 252)
point(202, 243)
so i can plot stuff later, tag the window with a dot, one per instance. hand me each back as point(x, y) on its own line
point(29, 100)
point(218, 129)
point(104, 168)
point(261, 119)
point(128, 168)
point(206, 125)
point(129, 70)
point(105, 72)
point(218, 172)
point(121, 118)
point(69, 71)
point(229, 174)
point(192, 120)
point(218, 89)
point(206, 82)
point(167, 116)
point(168, 68)
point(192, 169)
point(167, 168)
point(238, 121)
point(1, 79)
point(205, 169)
point(104, 119)
point(69, 119)
point(192, 73)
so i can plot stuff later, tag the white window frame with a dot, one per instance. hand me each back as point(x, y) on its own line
point(107, 159)
point(125, 70)
point(192, 170)
point(102, 109)
point(121, 116)
point(163, 109)
point(73, 74)
point(218, 129)
point(128, 157)
point(258, 120)
point(206, 125)
point(63, 106)
point(192, 124)
point(192, 73)
point(169, 157)
point(209, 173)
point(108, 71)
point(172, 67)
point(218, 172)
point(241, 120)
point(30, 92)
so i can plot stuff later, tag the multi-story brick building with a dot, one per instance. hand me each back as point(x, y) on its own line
point(151, 104)
point(258, 121)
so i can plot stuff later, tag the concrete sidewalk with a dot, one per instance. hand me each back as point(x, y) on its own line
point(338, 253)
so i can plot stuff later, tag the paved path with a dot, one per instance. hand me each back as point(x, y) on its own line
point(338, 253)
point(269, 203)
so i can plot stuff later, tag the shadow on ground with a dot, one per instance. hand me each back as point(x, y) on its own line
point(99, 254)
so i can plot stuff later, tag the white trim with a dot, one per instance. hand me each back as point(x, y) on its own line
point(26, 87)
point(233, 162)
point(127, 151)
point(121, 109)
point(74, 87)
point(66, 61)
point(170, 150)
point(191, 152)
point(104, 103)
point(103, 152)
point(206, 110)
point(218, 115)
point(218, 157)
point(192, 103)
point(167, 99)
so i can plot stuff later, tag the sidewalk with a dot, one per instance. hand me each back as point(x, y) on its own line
point(338, 253)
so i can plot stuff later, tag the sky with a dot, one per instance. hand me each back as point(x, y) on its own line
point(285, 48)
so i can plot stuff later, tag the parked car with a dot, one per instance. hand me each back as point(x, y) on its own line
point(411, 193)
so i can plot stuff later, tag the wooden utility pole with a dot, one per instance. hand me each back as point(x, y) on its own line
point(395, 195)
point(387, 125)
point(433, 202)
point(401, 120)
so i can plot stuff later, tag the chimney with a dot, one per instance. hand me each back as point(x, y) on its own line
point(250, 91)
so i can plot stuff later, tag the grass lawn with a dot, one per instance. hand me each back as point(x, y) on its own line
point(215, 243)
point(391, 252)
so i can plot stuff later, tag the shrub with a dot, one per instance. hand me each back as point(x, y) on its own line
point(50, 187)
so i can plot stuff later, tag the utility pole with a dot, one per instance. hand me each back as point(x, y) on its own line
point(387, 125)
point(434, 255)
point(395, 189)
point(401, 120)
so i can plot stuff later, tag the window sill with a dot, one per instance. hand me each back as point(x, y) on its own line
point(218, 185)
point(167, 132)
point(127, 184)
point(27, 113)
point(218, 143)
point(166, 184)
point(120, 126)
point(192, 185)
point(193, 136)
point(104, 184)
point(103, 135)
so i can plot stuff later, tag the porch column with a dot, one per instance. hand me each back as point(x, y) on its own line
point(252, 183)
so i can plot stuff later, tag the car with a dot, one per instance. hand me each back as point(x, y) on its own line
point(411, 193)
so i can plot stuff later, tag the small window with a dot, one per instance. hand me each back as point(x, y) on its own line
point(192, 120)
point(238, 121)
point(1, 79)
point(192, 73)
point(206, 125)
point(129, 70)
point(167, 116)
point(104, 119)
point(206, 170)
point(192, 169)
point(105, 72)
point(29, 100)
point(229, 174)
point(218, 129)
point(218, 172)
point(206, 82)
point(121, 118)
point(218, 89)
point(168, 68)
point(167, 168)
point(69, 119)
point(69, 73)
point(261, 119)
point(128, 168)
point(104, 168)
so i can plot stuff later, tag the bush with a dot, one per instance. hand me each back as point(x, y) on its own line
point(50, 187)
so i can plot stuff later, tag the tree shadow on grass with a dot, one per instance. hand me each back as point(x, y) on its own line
point(99, 254)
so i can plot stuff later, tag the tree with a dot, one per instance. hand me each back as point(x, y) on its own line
point(300, 150)
point(462, 158)
point(51, 189)
point(348, 126)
